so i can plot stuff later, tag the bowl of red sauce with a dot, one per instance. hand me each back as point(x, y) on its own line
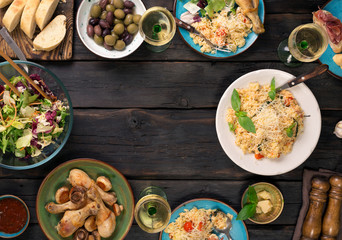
point(14, 216)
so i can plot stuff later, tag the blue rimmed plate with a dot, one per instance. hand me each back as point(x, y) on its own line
point(334, 7)
point(238, 231)
point(178, 10)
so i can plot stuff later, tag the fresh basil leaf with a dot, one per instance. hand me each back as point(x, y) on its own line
point(289, 130)
point(273, 84)
point(252, 195)
point(247, 124)
point(247, 211)
point(231, 127)
point(236, 102)
point(272, 93)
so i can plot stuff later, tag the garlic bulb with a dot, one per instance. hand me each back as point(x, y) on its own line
point(338, 129)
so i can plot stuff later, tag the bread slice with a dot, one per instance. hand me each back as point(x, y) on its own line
point(52, 35)
point(45, 11)
point(4, 3)
point(338, 59)
point(13, 14)
point(337, 48)
point(28, 20)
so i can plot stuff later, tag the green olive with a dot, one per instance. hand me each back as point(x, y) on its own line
point(110, 8)
point(103, 15)
point(95, 11)
point(109, 40)
point(119, 13)
point(119, 28)
point(116, 21)
point(98, 39)
point(128, 19)
point(114, 35)
point(132, 28)
point(118, 4)
point(119, 45)
point(136, 18)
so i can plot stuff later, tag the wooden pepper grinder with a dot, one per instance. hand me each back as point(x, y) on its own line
point(313, 221)
point(331, 220)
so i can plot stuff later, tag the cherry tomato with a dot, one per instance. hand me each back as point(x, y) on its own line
point(200, 226)
point(288, 101)
point(258, 156)
point(188, 227)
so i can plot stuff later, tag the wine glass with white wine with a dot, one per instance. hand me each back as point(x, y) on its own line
point(152, 212)
point(306, 43)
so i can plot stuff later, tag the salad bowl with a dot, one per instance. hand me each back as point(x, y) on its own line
point(9, 160)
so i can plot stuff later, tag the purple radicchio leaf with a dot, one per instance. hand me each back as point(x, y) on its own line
point(50, 116)
point(197, 18)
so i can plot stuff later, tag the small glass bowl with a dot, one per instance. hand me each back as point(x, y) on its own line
point(277, 201)
point(13, 235)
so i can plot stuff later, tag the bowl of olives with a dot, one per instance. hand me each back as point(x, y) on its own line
point(109, 28)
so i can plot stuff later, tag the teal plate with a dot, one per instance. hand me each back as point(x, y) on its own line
point(178, 10)
point(334, 7)
point(238, 231)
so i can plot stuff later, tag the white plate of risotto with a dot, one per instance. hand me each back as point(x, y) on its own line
point(264, 131)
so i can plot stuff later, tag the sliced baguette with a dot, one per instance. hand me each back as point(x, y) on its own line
point(45, 11)
point(52, 35)
point(338, 59)
point(28, 20)
point(4, 3)
point(13, 14)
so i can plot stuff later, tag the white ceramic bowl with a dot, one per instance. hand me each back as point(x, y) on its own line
point(304, 144)
point(82, 19)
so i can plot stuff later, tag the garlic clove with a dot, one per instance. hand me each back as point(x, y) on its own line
point(338, 129)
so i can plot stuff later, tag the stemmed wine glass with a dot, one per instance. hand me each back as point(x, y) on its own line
point(306, 43)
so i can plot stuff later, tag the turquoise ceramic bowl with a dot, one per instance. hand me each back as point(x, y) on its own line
point(56, 86)
point(13, 235)
point(178, 10)
point(238, 231)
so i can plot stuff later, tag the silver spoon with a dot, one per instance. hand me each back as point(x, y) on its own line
point(227, 229)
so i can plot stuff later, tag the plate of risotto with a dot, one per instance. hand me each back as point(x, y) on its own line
point(264, 130)
point(228, 28)
point(196, 219)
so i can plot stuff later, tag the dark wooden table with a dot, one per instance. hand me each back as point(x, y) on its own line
point(152, 116)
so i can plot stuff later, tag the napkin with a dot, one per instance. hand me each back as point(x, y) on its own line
point(307, 177)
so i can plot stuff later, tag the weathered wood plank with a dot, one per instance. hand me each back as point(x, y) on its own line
point(171, 84)
point(169, 144)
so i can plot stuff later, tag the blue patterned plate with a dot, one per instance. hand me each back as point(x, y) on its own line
point(178, 10)
point(334, 6)
point(238, 231)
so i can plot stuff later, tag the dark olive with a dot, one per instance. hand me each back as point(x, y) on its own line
point(98, 39)
point(104, 24)
point(119, 28)
point(90, 30)
point(98, 30)
point(103, 4)
point(95, 11)
point(119, 45)
point(128, 11)
point(136, 18)
point(129, 4)
point(119, 13)
point(106, 32)
point(132, 28)
point(110, 18)
point(103, 15)
point(110, 8)
point(110, 40)
point(128, 39)
point(107, 46)
point(118, 4)
point(94, 21)
point(128, 19)
point(116, 21)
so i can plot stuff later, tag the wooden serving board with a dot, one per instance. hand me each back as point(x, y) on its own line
point(62, 52)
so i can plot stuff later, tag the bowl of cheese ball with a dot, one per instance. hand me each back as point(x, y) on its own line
point(109, 28)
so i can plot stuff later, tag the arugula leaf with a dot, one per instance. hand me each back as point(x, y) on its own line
point(247, 124)
point(231, 127)
point(272, 93)
point(247, 211)
point(236, 102)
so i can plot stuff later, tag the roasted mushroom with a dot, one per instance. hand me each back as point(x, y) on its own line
point(90, 224)
point(62, 195)
point(96, 235)
point(104, 183)
point(77, 194)
point(117, 209)
point(81, 234)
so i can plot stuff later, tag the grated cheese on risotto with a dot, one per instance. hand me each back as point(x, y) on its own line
point(271, 119)
point(196, 224)
point(223, 30)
